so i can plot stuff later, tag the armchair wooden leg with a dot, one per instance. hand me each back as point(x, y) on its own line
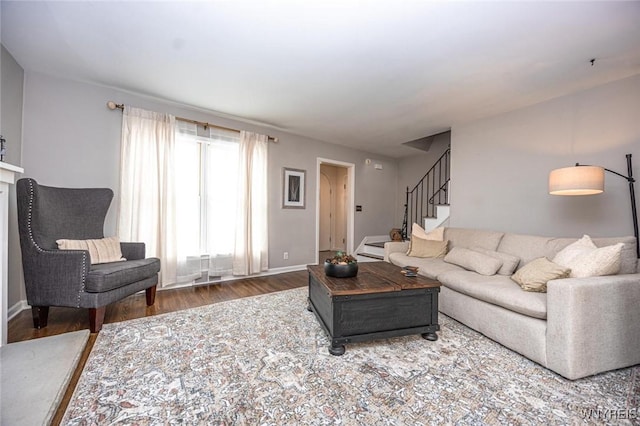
point(151, 295)
point(40, 316)
point(96, 318)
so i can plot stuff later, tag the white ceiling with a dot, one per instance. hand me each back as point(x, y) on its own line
point(367, 74)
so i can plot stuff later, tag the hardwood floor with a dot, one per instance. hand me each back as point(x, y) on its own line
point(64, 320)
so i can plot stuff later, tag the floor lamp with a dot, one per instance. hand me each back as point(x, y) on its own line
point(588, 180)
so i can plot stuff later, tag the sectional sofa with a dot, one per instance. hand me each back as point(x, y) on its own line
point(579, 327)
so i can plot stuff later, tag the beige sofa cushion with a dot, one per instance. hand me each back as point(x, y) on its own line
point(497, 290)
point(463, 237)
point(428, 267)
point(534, 275)
point(473, 260)
point(526, 247)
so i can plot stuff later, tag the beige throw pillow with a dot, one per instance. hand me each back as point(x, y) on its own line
point(534, 275)
point(473, 260)
point(100, 250)
point(586, 260)
point(419, 232)
point(421, 247)
point(509, 262)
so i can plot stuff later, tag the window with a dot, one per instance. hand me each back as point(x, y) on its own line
point(206, 199)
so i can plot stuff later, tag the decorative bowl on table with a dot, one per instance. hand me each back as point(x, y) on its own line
point(342, 265)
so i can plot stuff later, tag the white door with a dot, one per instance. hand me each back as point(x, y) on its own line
point(325, 213)
point(340, 216)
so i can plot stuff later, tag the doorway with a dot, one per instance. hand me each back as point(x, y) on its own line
point(335, 208)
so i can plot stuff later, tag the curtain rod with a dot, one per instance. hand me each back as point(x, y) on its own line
point(112, 106)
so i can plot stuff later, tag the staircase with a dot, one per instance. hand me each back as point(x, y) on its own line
point(371, 249)
point(428, 201)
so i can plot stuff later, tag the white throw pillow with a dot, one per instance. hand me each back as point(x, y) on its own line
point(433, 235)
point(586, 260)
point(599, 262)
point(583, 246)
point(102, 250)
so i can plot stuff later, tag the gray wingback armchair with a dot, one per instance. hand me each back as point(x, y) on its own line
point(66, 277)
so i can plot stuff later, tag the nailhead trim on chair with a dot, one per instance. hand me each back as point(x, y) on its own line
point(55, 252)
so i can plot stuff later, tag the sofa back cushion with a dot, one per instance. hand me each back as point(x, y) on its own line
point(467, 238)
point(529, 247)
point(526, 247)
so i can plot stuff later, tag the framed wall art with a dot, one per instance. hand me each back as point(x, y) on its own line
point(293, 188)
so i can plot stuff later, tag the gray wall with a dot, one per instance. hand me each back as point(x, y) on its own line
point(12, 79)
point(500, 165)
point(72, 139)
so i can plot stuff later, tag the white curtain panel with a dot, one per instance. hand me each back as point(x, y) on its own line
point(251, 247)
point(147, 186)
point(206, 170)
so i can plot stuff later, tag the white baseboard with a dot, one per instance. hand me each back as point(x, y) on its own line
point(16, 309)
point(285, 269)
point(272, 271)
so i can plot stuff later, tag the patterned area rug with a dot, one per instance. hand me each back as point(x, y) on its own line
point(264, 360)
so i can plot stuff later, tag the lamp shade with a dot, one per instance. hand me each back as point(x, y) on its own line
point(578, 180)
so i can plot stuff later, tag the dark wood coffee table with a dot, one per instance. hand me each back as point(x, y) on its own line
point(378, 303)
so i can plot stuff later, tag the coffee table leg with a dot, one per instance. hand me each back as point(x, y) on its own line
point(430, 336)
point(336, 350)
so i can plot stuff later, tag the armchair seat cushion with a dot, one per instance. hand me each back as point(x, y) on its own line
point(109, 276)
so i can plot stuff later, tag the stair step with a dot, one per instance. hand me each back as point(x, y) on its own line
point(441, 217)
point(379, 244)
point(372, 256)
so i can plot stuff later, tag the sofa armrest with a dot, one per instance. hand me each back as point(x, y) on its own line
point(593, 324)
point(55, 277)
point(133, 251)
point(393, 247)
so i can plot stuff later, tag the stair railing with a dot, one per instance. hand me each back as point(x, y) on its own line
point(431, 190)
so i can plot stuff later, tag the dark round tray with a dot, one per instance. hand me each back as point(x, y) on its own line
point(340, 271)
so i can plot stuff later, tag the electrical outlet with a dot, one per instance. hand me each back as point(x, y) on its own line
point(285, 255)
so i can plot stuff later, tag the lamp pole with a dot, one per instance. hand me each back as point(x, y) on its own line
point(634, 214)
